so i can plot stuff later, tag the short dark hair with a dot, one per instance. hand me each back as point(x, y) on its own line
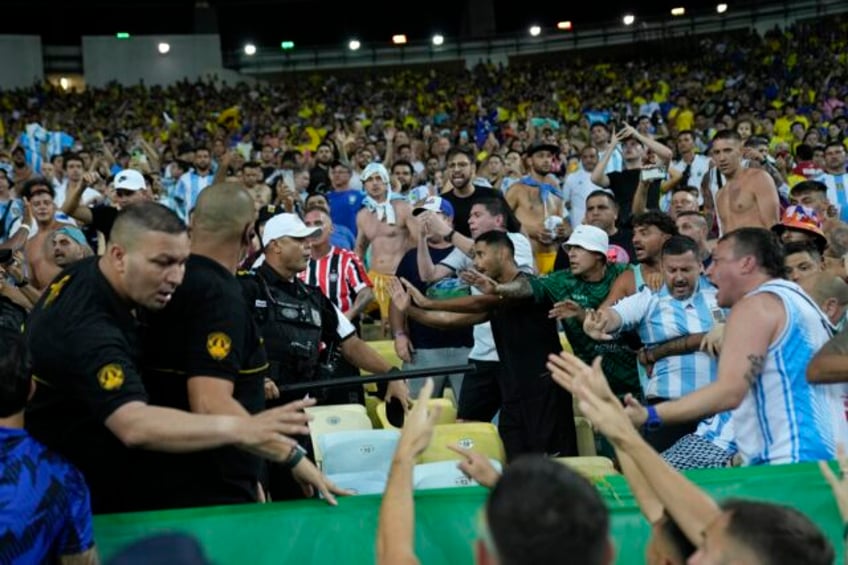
point(403, 163)
point(541, 510)
point(251, 165)
point(145, 217)
point(678, 245)
point(727, 135)
point(494, 206)
point(756, 141)
point(834, 143)
point(32, 183)
point(497, 239)
point(777, 534)
point(802, 247)
point(661, 220)
point(459, 150)
point(687, 213)
point(605, 194)
point(688, 132)
point(809, 186)
point(804, 152)
point(14, 372)
point(763, 244)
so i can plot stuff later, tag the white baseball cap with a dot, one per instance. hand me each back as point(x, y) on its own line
point(129, 179)
point(287, 225)
point(589, 238)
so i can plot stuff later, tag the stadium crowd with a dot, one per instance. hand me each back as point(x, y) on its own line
point(179, 257)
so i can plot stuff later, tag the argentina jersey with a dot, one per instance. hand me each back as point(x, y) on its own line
point(718, 430)
point(784, 419)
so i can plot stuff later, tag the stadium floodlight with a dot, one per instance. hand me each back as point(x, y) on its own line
point(679, 11)
point(164, 48)
point(721, 8)
point(628, 19)
point(64, 83)
point(564, 26)
point(250, 49)
point(354, 44)
point(438, 39)
point(399, 39)
point(122, 35)
point(535, 30)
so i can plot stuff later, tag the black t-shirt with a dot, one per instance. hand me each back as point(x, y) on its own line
point(84, 345)
point(532, 402)
point(623, 239)
point(103, 218)
point(206, 330)
point(462, 208)
point(425, 337)
point(624, 184)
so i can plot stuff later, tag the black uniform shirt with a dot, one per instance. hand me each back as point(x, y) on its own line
point(205, 331)
point(84, 346)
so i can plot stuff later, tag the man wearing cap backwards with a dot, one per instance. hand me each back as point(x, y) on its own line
point(304, 332)
point(387, 227)
point(66, 246)
point(537, 202)
point(203, 353)
point(748, 197)
point(801, 224)
point(130, 187)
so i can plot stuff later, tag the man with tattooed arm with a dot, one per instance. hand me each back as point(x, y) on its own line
point(773, 331)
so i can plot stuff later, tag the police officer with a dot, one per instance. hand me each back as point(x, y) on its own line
point(203, 353)
point(90, 405)
point(305, 334)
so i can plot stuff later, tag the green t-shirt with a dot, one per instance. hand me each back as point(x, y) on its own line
point(619, 361)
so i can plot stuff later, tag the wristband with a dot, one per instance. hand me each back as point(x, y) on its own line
point(653, 423)
point(294, 457)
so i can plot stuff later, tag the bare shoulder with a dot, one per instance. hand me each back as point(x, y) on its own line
point(758, 178)
point(760, 308)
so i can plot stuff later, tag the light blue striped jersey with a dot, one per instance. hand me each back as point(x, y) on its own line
point(718, 430)
point(837, 191)
point(784, 419)
point(659, 317)
point(616, 162)
point(188, 189)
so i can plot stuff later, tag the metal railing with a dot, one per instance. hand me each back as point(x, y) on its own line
point(738, 17)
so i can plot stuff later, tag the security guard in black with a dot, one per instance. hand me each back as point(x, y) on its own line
point(206, 330)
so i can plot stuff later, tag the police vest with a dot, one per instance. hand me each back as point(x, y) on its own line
point(291, 328)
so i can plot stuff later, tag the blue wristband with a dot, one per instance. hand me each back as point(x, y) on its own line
point(653, 423)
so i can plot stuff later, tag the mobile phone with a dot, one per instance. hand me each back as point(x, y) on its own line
point(654, 173)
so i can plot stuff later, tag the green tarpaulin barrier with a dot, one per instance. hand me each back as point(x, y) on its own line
point(309, 531)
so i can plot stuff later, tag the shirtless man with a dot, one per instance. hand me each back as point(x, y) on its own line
point(387, 225)
point(535, 198)
point(40, 265)
point(748, 197)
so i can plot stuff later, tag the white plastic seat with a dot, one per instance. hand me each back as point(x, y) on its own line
point(358, 451)
point(443, 474)
point(337, 418)
point(366, 482)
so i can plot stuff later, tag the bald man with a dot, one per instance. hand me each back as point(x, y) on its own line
point(204, 353)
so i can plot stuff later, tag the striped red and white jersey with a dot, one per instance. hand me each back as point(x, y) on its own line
point(339, 274)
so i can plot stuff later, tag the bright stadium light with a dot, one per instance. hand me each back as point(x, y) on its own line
point(564, 26)
point(250, 49)
point(678, 11)
point(438, 39)
point(164, 48)
point(399, 39)
point(535, 30)
point(721, 8)
point(354, 44)
point(628, 19)
point(64, 83)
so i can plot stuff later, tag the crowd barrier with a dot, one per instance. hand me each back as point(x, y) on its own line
point(310, 531)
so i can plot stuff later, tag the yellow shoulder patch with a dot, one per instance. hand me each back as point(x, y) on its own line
point(55, 289)
point(110, 377)
point(218, 344)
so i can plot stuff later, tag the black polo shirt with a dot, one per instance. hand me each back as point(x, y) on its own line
point(206, 330)
point(84, 346)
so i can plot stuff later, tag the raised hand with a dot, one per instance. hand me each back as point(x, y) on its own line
point(485, 284)
point(595, 325)
point(417, 296)
point(400, 298)
point(311, 479)
point(711, 343)
point(566, 309)
point(476, 466)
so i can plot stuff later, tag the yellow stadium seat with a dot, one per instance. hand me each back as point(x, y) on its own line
point(386, 349)
point(592, 468)
point(451, 395)
point(585, 437)
point(371, 403)
point(446, 416)
point(336, 418)
point(481, 437)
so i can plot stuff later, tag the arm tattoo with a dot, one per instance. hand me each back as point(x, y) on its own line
point(757, 362)
point(518, 288)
